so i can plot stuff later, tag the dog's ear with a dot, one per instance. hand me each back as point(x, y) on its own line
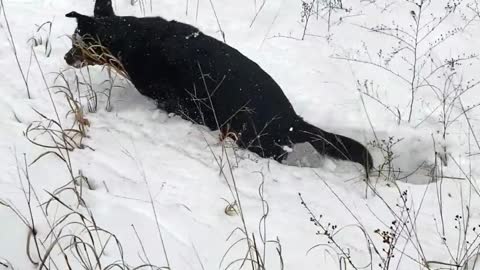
point(75, 14)
point(85, 23)
point(103, 8)
point(81, 19)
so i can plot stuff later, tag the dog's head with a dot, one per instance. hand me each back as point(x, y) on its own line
point(86, 44)
point(92, 43)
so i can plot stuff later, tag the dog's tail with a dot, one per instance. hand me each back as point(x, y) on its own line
point(103, 8)
point(333, 145)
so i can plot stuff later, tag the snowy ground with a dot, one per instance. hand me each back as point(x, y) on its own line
point(136, 156)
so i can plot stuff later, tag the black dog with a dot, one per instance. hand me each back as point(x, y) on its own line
point(203, 80)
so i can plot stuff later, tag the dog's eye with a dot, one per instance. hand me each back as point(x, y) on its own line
point(76, 37)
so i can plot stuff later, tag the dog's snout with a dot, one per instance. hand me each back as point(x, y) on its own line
point(73, 58)
point(68, 58)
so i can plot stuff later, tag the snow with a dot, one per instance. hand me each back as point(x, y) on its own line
point(136, 156)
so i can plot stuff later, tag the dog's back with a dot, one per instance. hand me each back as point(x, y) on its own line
point(196, 66)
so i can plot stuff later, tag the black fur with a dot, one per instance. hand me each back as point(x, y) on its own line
point(210, 83)
point(103, 8)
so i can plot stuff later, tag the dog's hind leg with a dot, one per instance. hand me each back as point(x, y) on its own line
point(103, 8)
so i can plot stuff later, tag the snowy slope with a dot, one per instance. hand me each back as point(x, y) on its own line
point(136, 156)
